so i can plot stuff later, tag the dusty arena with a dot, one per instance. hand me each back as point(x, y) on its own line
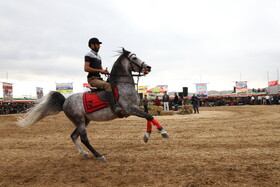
point(221, 146)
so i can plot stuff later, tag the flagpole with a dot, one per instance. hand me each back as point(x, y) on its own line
point(278, 79)
point(268, 89)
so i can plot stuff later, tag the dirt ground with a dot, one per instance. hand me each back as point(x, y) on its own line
point(221, 146)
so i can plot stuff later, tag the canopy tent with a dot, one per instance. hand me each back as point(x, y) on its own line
point(156, 90)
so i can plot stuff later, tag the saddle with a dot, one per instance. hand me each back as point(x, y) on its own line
point(95, 99)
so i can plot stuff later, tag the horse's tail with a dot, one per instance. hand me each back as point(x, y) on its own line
point(49, 105)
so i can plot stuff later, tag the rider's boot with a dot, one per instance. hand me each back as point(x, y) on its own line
point(117, 110)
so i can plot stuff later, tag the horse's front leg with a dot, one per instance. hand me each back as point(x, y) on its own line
point(148, 132)
point(150, 121)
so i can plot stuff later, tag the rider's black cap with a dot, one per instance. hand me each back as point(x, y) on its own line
point(94, 41)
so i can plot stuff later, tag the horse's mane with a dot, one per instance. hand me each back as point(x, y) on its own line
point(118, 69)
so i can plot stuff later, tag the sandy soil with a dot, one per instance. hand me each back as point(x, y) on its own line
point(221, 146)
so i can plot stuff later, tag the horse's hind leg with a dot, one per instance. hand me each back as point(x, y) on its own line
point(74, 137)
point(81, 122)
point(85, 141)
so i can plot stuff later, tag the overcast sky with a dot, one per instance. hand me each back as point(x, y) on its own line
point(185, 41)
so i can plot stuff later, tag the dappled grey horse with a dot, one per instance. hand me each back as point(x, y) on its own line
point(121, 78)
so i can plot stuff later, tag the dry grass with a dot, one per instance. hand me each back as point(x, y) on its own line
point(221, 146)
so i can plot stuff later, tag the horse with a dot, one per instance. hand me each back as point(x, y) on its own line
point(121, 79)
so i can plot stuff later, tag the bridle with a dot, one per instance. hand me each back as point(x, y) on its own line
point(130, 57)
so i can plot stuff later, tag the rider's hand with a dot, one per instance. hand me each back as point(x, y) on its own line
point(104, 71)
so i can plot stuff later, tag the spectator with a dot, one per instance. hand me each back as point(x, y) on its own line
point(175, 101)
point(267, 98)
point(165, 100)
point(157, 101)
point(194, 101)
point(145, 104)
point(180, 102)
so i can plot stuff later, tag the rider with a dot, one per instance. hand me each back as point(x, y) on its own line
point(93, 65)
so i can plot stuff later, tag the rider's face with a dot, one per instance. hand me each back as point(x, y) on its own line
point(95, 47)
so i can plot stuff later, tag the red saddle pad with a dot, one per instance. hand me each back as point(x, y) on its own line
point(93, 103)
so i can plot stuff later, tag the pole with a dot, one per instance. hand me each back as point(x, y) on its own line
point(268, 82)
point(267, 76)
point(278, 79)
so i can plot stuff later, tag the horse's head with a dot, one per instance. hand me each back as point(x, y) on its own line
point(136, 64)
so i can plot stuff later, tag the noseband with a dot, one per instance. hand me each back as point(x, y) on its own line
point(129, 58)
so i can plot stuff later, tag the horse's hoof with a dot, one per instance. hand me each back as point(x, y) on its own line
point(164, 135)
point(85, 155)
point(145, 138)
point(102, 159)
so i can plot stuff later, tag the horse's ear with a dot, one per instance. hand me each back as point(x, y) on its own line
point(125, 51)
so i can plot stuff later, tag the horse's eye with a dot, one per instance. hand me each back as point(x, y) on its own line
point(134, 58)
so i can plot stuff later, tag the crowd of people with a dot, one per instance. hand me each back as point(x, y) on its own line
point(176, 102)
point(250, 100)
point(168, 103)
point(14, 107)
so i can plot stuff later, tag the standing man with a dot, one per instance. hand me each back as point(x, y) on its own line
point(93, 65)
point(145, 103)
point(194, 101)
point(165, 100)
point(176, 101)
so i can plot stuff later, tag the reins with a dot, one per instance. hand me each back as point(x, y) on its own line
point(132, 75)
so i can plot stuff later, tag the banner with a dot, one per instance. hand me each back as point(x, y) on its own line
point(201, 90)
point(39, 92)
point(142, 89)
point(85, 87)
point(64, 88)
point(7, 92)
point(272, 83)
point(241, 88)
